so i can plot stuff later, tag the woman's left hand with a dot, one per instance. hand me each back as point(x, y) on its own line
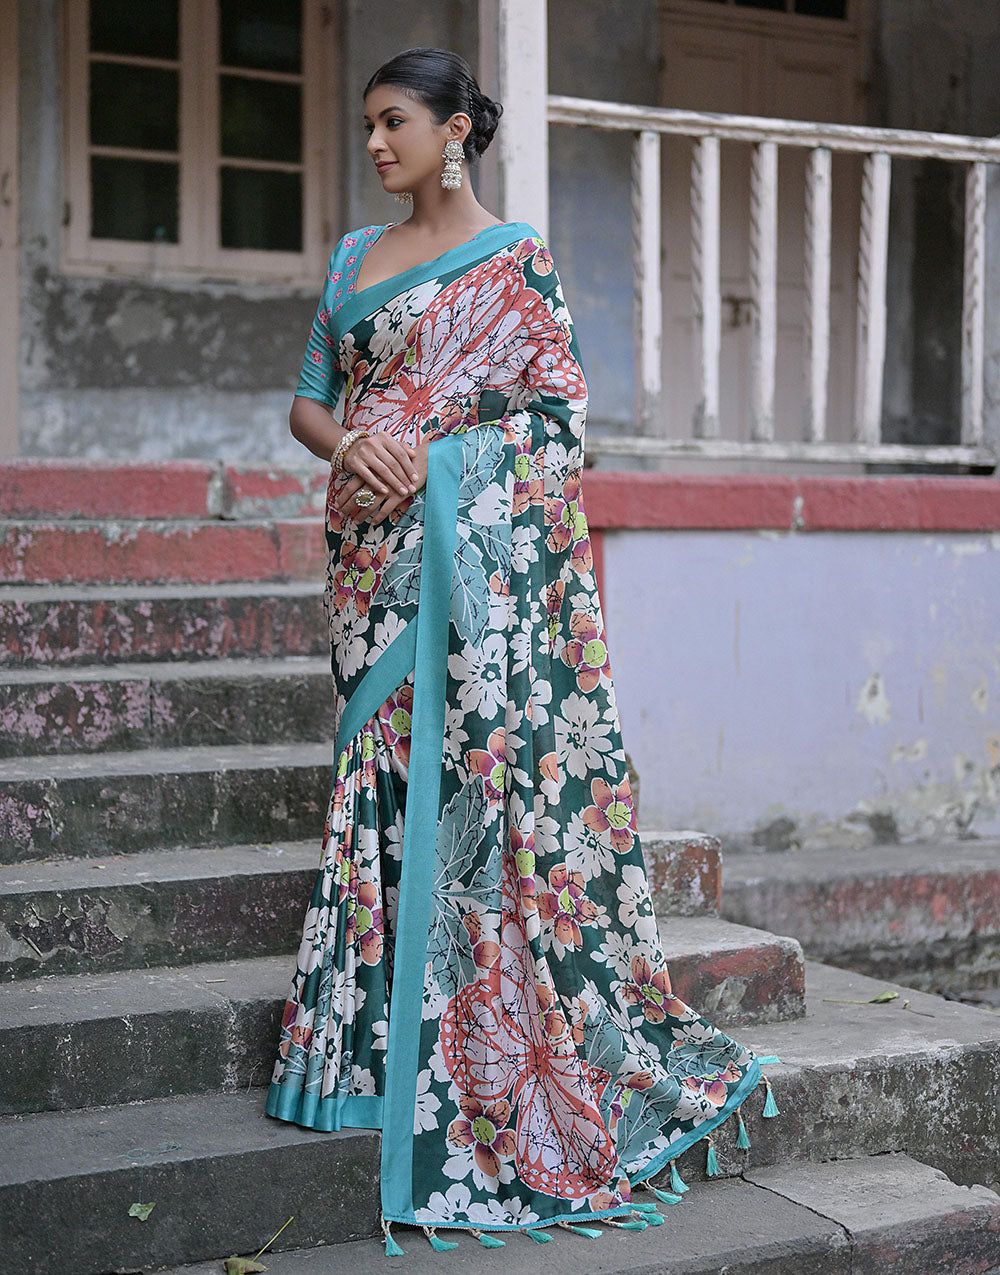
point(345, 503)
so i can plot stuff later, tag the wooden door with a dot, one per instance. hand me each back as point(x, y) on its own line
point(9, 326)
point(772, 65)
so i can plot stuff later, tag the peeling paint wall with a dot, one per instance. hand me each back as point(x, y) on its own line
point(157, 369)
point(822, 689)
point(151, 369)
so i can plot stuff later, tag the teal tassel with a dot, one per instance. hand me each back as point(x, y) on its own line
point(491, 1241)
point(711, 1163)
point(392, 1249)
point(589, 1231)
point(655, 1219)
point(646, 1207)
point(639, 1224)
point(771, 1058)
point(677, 1183)
point(770, 1107)
point(538, 1236)
point(439, 1245)
point(666, 1196)
point(743, 1141)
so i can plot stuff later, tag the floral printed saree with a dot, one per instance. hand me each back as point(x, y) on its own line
point(480, 974)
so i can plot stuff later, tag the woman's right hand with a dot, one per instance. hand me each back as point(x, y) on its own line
point(345, 502)
point(382, 463)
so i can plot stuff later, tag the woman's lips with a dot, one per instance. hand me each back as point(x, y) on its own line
point(384, 168)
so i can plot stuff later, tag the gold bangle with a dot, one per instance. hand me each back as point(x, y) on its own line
point(343, 447)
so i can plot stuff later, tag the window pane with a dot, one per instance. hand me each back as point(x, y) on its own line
point(141, 28)
point(259, 119)
point(822, 8)
point(260, 210)
point(133, 199)
point(133, 106)
point(264, 34)
point(763, 4)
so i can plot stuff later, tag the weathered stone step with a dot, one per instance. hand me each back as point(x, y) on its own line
point(925, 913)
point(178, 550)
point(180, 906)
point(85, 1039)
point(81, 624)
point(160, 489)
point(89, 709)
point(82, 1040)
point(224, 1178)
point(684, 870)
point(220, 1172)
point(157, 798)
point(918, 1073)
point(866, 1216)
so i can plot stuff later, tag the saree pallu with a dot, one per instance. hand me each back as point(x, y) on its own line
point(480, 974)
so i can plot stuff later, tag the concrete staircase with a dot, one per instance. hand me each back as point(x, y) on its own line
point(164, 771)
point(924, 913)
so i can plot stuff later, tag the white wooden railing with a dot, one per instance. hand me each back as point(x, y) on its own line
point(878, 146)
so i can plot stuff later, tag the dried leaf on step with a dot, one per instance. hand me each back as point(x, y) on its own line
point(242, 1266)
point(141, 1211)
point(883, 997)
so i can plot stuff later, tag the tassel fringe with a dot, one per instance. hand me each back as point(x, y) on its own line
point(743, 1141)
point(677, 1183)
point(589, 1231)
point(489, 1241)
point(770, 1106)
point(392, 1249)
point(439, 1245)
point(539, 1236)
point(711, 1163)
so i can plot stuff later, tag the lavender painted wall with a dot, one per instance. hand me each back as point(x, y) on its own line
point(831, 688)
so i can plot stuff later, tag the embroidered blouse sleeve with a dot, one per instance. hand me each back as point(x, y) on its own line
point(321, 376)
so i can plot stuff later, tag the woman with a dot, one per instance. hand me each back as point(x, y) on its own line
point(480, 857)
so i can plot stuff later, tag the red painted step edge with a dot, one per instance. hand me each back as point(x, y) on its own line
point(189, 553)
point(753, 501)
point(107, 489)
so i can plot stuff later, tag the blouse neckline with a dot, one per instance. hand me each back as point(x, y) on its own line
point(373, 240)
point(376, 294)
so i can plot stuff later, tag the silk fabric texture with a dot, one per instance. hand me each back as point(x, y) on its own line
point(481, 867)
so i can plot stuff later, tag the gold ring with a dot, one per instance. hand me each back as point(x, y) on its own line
point(364, 497)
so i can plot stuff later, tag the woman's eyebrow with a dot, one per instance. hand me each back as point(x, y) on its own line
point(388, 111)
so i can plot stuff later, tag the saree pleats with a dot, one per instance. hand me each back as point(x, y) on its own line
point(481, 974)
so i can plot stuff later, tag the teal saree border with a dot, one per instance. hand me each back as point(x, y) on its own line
point(346, 1111)
point(736, 1099)
point(368, 300)
point(423, 791)
point(389, 671)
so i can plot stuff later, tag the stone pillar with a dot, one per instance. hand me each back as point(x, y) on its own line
point(513, 68)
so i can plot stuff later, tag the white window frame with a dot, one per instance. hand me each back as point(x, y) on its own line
point(198, 252)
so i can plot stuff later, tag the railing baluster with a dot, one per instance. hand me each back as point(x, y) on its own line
point(763, 286)
point(974, 305)
point(817, 291)
point(705, 251)
point(978, 447)
point(648, 308)
point(873, 256)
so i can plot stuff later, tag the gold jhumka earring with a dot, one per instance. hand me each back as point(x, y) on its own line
point(453, 154)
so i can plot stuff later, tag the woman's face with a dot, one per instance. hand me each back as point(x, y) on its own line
point(403, 140)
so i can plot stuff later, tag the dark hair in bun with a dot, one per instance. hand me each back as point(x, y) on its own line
point(444, 82)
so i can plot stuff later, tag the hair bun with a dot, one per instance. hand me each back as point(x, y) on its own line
point(485, 118)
